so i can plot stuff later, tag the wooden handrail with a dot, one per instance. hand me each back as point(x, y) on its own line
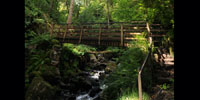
point(141, 68)
point(106, 22)
point(98, 32)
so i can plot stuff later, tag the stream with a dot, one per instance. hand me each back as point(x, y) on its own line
point(95, 76)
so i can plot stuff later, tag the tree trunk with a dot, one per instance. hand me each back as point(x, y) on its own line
point(108, 13)
point(69, 20)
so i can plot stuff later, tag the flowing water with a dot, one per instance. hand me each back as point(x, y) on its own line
point(96, 76)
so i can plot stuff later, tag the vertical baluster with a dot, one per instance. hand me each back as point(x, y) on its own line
point(99, 42)
point(81, 35)
point(122, 36)
point(65, 32)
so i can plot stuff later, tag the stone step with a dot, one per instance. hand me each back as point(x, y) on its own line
point(164, 73)
point(168, 59)
point(169, 63)
point(168, 67)
point(162, 80)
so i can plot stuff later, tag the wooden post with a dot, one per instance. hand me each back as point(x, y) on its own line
point(148, 30)
point(65, 32)
point(122, 36)
point(141, 68)
point(99, 42)
point(139, 86)
point(58, 31)
point(52, 28)
point(81, 35)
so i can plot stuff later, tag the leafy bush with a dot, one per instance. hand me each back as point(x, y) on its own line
point(133, 95)
point(38, 52)
point(125, 75)
point(70, 61)
point(78, 50)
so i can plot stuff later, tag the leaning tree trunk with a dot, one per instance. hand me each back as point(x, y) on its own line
point(69, 20)
point(108, 15)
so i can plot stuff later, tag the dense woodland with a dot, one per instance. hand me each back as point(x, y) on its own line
point(59, 71)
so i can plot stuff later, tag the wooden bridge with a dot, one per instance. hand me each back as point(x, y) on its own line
point(114, 34)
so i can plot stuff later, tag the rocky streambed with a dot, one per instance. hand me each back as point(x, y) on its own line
point(71, 78)
point(91, 79)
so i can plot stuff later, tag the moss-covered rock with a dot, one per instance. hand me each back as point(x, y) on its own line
point(93, 58)
point(111, 66)
point(41, 90)
point(34, 74)
point(51, 74)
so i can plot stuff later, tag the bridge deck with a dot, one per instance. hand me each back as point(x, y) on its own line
point(115, 34)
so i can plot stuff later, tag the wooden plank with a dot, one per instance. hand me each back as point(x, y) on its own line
point(133, 33)
point(110, 33)
point(102, 38)
point(110, 36)
point(92, 33)
point(158, 30)
point(132, 38)
point(157, 35)
point(73, 34)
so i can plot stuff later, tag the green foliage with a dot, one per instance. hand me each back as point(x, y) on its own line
point(128, 10)
point(162, 11)
point(114, 49)
point(38, 51)
point(41, 90)
point(133, 95)
point(34, 15)
point(123, 80)
point(125, 75)
point(70, 61)
point(78, 50)
point(39, 39)
point(37, 56)
point(38, 21)
point(93, 13)
point(165, 86)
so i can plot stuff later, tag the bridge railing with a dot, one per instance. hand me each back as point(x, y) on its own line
point(146, 58)
point(121, 32)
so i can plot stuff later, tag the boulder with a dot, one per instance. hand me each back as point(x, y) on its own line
point(94, 91)
point(80, 84)
point(109, 56)
point(100, 66)
point(41, 90)
point(111, 66)
point(92, 58)
point(51, 74)
point(34, 74)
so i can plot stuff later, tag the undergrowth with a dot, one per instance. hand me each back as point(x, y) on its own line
point(124, 79)
point(133, 95)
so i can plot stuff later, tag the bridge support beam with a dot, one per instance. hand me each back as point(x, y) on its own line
point(65, 32)
point(81, 35)
point(99, 40)
point(122, 36)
